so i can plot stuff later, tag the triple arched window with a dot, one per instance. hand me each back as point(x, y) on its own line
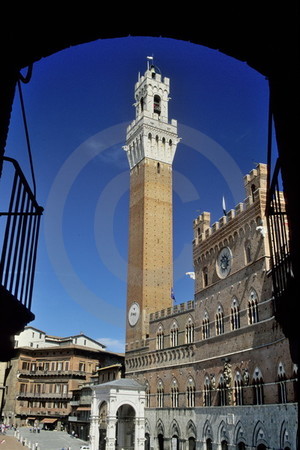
point(190, 393)
point(174, 334)
point(258, 387)
point(252, 307)
point(235, 315)
point(174, 394)
point(205, 326)
point(189, 331)
point(207, 392)
point(160, 338)
point(160, 394)
point(219, 321)
point(238, 389)
point(282, 392)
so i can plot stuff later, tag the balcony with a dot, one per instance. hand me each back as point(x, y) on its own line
point(19, 229)
point(284, 283)
point(44, 396)
point(44, 373)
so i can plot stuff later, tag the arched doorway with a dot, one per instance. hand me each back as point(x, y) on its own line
point(208, 444)
point(192, 443)
point(175, 442)
point(125, 430)
point(102, 425)
point(147, 441)
point(160, 438)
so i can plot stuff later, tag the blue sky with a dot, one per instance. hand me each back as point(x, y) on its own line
point(78, 104)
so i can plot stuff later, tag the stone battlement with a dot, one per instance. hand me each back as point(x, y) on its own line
point(255, 184)
point(202, 228)
point(181, 308)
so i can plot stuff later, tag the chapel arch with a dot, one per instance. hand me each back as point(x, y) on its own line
point(125, 433)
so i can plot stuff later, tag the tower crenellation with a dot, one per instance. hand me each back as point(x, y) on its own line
point(151, 135)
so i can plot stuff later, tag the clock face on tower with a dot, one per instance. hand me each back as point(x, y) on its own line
point(223, 263)
point(133, 314)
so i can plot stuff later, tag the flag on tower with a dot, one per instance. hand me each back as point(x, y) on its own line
point(172, 294)
point(224, 206)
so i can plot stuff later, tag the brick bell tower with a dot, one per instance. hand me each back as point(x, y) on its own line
point(151, 142)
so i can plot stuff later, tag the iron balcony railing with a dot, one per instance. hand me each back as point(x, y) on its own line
point(19, 234)
point(44, 395)
point(278, 235)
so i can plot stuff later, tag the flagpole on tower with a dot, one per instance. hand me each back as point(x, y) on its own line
point(224, 206)
point(149, 58)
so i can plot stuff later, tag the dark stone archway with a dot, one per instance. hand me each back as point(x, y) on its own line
point(265, 37)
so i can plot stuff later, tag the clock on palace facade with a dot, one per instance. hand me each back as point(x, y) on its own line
point(224, 262)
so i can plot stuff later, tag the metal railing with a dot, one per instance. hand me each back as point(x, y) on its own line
point(44, 395)
point(20, 233)
point(278, 235)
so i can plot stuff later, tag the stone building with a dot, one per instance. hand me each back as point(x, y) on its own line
point(44, 372)
point(216, 371)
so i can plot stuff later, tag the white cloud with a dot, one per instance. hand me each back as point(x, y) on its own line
point(113, 345)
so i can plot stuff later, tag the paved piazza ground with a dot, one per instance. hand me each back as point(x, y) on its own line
point(46, 440)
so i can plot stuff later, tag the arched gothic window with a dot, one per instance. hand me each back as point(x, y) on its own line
point(205, 326)
point(160, 338)
point(238, 389)
point(258, 388)
point(190, 393)
point(174, 335)
point(160, 394)
point(282, 393)
point(207, 392)
point(157, 104)
point(147, 395)
point(189, 331)
point(174, 394)
point(219, 321)
point(222, 392)
point(252, 307)
point(235, 315)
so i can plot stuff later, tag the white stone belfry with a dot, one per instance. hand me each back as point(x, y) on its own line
point(151, 135)
point(117, 415)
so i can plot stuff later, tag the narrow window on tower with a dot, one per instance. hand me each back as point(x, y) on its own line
point(158, 167)
point(253, 189)
point(156, 105)
point(205, 277)
point(248, 251)
point(142, 104)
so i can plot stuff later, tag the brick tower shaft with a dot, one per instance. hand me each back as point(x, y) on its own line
point(151, 144)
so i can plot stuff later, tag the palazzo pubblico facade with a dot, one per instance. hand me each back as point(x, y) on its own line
point(215, 372)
